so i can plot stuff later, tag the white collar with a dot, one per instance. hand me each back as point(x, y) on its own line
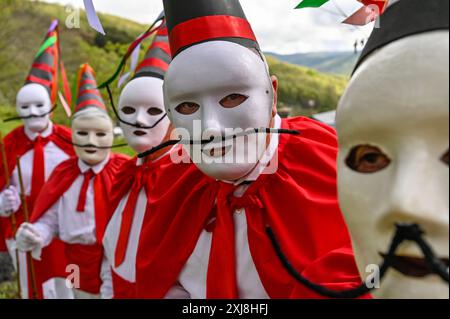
point(45, 133)
point(267, 156)
point(96, 168)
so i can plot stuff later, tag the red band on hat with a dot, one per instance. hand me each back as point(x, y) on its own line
point(157, 63)
point(92, 91)
point(162, 32)
point(163, 46)
point(43, 67)
point(208, 28)
point(35, 79)
point(88, 81)
point(90, 103)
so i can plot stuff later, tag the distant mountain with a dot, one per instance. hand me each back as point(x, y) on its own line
point(328, 62)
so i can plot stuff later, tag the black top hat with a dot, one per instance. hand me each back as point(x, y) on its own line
point(192, 22)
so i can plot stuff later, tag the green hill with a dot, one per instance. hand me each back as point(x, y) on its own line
point(24, 23)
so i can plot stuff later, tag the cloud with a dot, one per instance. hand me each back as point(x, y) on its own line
point(278, 27)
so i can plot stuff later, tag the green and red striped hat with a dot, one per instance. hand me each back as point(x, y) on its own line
point(87, 93)
point(197, 21)
point(157, 59)
point(44, 70)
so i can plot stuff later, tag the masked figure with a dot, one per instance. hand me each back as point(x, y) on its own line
point(145, 125)
point(73, 203)
point(40, 148)
point(393, 147)
point(208, 239)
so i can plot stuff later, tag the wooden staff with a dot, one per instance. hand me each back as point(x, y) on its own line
point(27, 219)
point(13, 216)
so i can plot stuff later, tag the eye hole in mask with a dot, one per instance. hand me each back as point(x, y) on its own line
point(367, 159)
point(128, 110)
point(444, 158)
point(187, 108)
point(154, 111)
point(233, 100)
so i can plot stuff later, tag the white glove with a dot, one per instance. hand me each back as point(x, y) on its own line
point(29, 239)
point(9, 201)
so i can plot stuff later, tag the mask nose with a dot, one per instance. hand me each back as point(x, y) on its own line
point(34, 110)
point(92, 138)
point(416, 195)
point(211, 123)
point(141, 117)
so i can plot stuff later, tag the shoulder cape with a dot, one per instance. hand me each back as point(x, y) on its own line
point(17, 144)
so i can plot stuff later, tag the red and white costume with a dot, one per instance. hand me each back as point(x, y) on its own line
point(130, 197)
point(51, 150)
point(207, 238)
point(72, 186)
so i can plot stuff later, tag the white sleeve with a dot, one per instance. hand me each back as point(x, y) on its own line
point(48, 225)
point(178, 292)
point(2, 205)
point(2, 210)
point(106, 290)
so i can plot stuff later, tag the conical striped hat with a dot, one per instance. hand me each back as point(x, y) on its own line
point(44, 70)
point(87, 93)
point(157, 59)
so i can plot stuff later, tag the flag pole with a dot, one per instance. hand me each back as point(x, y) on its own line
point(27, 219)
point(13, 216)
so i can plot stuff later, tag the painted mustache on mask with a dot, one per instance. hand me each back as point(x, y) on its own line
point(129, 123)
point(16, 118)
point(404, 232)
point(217, 139)
point(89, 145)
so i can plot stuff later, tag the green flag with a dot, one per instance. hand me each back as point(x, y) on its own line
point(311, 4)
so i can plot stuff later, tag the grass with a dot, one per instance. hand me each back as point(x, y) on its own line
point(8, 290)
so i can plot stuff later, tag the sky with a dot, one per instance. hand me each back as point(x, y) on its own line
point(278, 27)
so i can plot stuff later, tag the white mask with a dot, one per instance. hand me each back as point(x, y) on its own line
point(225, 87)
point(141, 102)
point(92, 127)
point(398, 104)
point(34, 100)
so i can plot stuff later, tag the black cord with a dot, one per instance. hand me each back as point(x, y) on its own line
point(30, 116)
point(223, 139)
point(89, 145)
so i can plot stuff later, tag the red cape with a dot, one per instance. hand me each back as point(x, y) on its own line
point(17, 144)
point(3, 247)
point(63, 177)
point(299, 202)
